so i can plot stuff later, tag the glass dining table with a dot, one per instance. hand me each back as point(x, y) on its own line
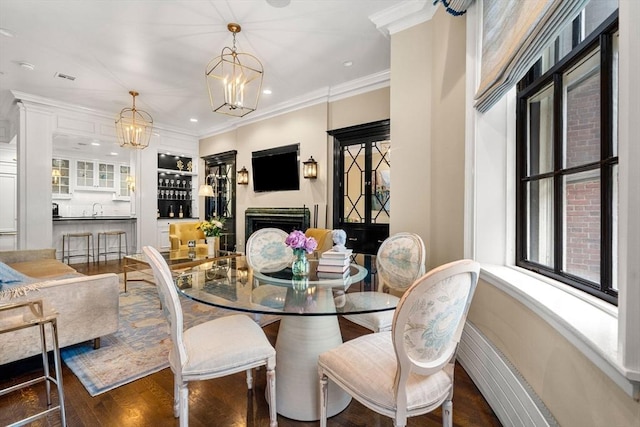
point(308, 309)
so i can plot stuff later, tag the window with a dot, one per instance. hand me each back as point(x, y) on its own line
point(567, 159)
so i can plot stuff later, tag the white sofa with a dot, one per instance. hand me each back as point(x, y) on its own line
point(87, 306)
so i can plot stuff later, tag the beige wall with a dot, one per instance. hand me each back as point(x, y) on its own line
point(576, 391)
point(356, 110)
point(308, 127)
point(427, 133)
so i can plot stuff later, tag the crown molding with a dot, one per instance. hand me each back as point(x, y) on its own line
point(327, 94)
point(404, 15)
point(52, 105)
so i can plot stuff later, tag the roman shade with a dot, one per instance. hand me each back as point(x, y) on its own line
point(455, 7)
point(514, 35)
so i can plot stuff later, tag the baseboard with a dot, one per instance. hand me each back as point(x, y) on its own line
point(512, 399)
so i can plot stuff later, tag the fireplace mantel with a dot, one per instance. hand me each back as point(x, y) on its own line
point(287, 219)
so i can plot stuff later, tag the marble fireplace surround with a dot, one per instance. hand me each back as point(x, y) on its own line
point(287, 219)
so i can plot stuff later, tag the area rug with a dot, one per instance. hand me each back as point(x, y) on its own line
point(141, 345)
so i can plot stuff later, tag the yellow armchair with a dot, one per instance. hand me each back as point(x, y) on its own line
point(322, 236)
point(181, 232)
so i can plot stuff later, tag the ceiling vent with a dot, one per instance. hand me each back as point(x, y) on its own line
point(64, 76)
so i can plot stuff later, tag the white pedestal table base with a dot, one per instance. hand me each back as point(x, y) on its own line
point(300, 341)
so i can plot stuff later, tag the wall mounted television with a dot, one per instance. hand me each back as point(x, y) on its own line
point(276, 169)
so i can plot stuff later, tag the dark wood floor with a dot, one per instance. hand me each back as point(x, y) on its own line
point(218, 402)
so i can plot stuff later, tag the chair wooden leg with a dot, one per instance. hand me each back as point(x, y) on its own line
point(324, 397)
point(184, 405)
point(271, 391)
point(176, 396)
point(249, 379)
point(447, 413)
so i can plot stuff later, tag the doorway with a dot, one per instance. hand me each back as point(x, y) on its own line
point(362, 165)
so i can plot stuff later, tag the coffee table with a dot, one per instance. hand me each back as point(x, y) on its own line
point(176, 259)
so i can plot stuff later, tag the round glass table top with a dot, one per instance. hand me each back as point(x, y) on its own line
point(230, 283)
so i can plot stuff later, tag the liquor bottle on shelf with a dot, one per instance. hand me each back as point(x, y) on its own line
point(180, 213)
point(170, 211)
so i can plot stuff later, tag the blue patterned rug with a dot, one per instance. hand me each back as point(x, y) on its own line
point(141, 345)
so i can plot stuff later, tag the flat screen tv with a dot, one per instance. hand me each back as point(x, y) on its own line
point(276, 169)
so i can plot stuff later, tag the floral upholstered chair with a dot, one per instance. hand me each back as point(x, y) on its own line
point(407, 371)
point(400, 261)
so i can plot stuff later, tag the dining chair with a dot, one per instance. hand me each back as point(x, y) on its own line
point(216, 348)
point(400, 260)
point(409, 370)
point(267, 251)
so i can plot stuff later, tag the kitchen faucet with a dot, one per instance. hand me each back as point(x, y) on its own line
point(93, 209)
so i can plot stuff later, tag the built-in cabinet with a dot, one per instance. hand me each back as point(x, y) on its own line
point(69, 175)
point(176, 179)
point(96, 176)
point(60, 177)
point(362, 173)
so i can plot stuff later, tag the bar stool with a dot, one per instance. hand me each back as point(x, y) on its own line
point(66, 246)
point(35, 316)
point(106, 251)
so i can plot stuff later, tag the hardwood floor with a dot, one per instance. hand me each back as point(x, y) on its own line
point(218, 402)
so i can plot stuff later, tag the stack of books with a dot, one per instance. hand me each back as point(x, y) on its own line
point(333, 264)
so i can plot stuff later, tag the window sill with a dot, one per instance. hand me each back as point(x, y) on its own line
point(590, 324)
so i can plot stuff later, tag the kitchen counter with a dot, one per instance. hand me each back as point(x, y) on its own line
point(94, 225)
point(95, 218)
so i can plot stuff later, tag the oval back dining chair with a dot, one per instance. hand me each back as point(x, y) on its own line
point(266, 250)
point(400, 260)
point(216, 348)
point(407, 371)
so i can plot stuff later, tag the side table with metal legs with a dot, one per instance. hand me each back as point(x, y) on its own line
point(34, 315)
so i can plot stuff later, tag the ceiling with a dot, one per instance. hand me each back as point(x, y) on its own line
point(161, 49)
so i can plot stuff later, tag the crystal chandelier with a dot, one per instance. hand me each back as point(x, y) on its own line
point(234, 80)
point(133, 127)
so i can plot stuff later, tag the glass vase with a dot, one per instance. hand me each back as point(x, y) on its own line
point(300, 264)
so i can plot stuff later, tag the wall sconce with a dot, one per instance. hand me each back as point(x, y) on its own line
point(243, 176)
point(131, 183)
point(310, 168)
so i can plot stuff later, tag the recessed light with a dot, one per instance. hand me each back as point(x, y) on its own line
point(113, 153)
point(267, 91)
point(27, 65)
point(193, 120)
point(347, 63)
point(6, 32)
point(95, 144)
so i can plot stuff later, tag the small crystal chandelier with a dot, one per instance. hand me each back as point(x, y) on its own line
point(234, 80)
point(133, 127)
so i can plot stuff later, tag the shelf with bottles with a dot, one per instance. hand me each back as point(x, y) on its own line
point(173, 209)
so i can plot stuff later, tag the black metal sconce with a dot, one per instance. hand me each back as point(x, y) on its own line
point(243, 176)
point(310, 168)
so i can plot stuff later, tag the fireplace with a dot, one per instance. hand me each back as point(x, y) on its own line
point(287, 219)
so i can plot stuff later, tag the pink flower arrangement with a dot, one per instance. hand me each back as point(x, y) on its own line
point(299, 242)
